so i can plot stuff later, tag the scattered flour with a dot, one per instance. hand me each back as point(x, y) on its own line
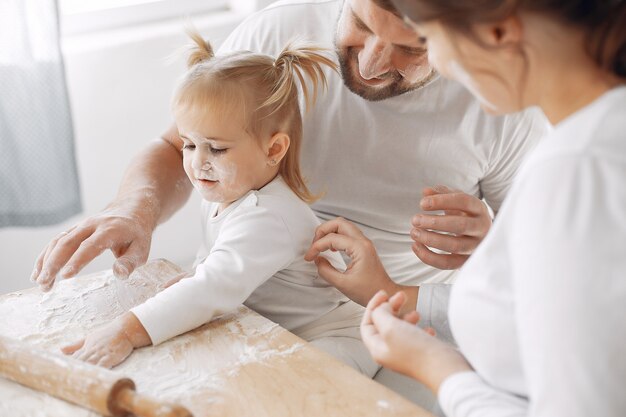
point(181, 370)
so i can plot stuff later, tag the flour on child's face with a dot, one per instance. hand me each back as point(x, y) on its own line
point(220, 158)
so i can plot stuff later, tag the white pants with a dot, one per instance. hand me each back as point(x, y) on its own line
point(409, 389)
point(337, 333)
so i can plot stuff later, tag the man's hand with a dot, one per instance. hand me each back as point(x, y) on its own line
point(397, 343)
point(365, 274)
point(458, 232)
point(125, 235)
point(112, 344)
point(153, 188)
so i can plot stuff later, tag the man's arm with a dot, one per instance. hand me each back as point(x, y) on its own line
point(467, 220)
point(156, 180)
point(153, 188)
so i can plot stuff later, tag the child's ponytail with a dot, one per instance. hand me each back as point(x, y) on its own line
point(201, 51)
point(303, 61)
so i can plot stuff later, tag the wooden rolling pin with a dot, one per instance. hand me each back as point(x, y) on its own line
point(87, 385)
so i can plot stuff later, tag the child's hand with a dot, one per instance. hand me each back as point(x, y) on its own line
point(110, 345)
point(365, 273)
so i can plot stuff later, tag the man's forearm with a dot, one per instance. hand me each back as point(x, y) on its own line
point(155, 185)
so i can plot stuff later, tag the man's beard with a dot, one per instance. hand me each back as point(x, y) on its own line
point(348, 58)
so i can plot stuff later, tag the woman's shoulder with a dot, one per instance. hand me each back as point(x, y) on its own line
point(597, 130)
point(596, 134)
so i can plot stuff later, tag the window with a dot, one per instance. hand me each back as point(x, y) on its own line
point(79, 16)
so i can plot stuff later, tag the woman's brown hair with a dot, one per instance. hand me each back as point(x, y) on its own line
point(264, 89)
point(604, 20)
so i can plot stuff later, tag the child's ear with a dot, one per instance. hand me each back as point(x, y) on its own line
point(277, 148)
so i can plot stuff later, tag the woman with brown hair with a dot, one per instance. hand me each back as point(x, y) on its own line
point(539, 310)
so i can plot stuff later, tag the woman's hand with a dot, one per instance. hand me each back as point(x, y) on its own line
point(365, 274)
point(112, 344)
point(398, 344)
point(458, 232)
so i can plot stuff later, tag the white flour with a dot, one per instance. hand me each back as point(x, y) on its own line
point(181, 370)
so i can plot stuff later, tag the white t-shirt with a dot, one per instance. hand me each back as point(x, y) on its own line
point(539, 310)
point(373, 159)
point(254, 252)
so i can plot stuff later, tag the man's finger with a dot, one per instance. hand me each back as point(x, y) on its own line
point(135, 256)
point(437, 189)
point(460, 225)
point(331, 241)
point(45, 276)
point(64, 248)
point(38, 265)
point(455, 201)
point(437, 260)
point(462, 245)
point(87, 251)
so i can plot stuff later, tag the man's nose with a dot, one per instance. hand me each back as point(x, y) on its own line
point(375, 58)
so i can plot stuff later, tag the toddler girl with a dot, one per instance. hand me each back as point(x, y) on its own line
point(239, 119)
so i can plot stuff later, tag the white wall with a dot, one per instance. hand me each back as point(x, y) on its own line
point(119, 85)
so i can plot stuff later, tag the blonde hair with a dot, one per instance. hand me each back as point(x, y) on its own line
point(266, 90)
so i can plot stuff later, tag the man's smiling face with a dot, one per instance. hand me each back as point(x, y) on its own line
point(379, 55)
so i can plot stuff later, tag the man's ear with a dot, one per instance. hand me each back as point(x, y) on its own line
point(277, 148)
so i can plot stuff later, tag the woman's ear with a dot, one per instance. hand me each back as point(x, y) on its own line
point(277, 148)
point(507, 32)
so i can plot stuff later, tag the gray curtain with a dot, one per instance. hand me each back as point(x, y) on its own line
point(38, 176)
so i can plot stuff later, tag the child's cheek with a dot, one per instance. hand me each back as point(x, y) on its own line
point(229, 175)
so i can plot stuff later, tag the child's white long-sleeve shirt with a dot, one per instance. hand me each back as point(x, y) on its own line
point(255, 250)
point(539, 310)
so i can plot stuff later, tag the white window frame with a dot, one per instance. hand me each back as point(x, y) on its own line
point(102, 18)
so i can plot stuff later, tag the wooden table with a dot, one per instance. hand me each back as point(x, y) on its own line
point(238, 365)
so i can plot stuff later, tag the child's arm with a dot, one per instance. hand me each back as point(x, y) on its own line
point(111, 344)
point(253, 245)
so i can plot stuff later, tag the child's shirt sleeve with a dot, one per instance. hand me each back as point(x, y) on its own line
point(254, 243)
